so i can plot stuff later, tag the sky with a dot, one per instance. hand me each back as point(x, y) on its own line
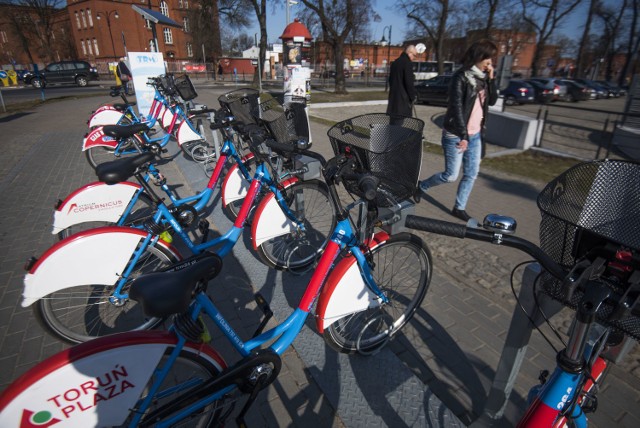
point(573, 27)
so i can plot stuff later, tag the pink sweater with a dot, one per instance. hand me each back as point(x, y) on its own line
point(475, 120)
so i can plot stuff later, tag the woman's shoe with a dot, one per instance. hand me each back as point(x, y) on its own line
point(461, 214)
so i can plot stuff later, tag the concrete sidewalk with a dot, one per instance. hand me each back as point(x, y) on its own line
point(437, 373)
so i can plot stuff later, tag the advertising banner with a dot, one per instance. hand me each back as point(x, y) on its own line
point(144, 65)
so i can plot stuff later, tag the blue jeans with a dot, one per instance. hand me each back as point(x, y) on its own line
point(453, 159)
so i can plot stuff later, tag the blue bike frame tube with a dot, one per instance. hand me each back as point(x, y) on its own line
point(130, 206)
point(555, 395)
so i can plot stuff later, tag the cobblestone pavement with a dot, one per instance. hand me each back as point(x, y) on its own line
point(448, 354)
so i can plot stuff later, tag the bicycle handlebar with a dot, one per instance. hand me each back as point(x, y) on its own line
point(457, 230)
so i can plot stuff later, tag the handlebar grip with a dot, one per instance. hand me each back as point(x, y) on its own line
point(224, 124)
point(440, 227)
point(281, 147)
point(369, 186)
point(202, 111)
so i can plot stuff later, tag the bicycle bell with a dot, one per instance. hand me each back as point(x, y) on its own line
point(499, 224)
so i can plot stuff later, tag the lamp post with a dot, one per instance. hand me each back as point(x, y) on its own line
point(107, 16)
point(386, 81)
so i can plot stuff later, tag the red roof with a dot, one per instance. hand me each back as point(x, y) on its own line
point(296, 29)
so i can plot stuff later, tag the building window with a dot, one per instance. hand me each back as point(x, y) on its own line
point(168, 37)
point(164, 8)
point(3, 37)
point(84, 20)
point(95, 46)
point(152, 46)
point(90, 18)
point(78, 21)
point(147, 23)
point(186, 4)
point(185, 24)
point(180, 4)
point(84, 48)
point(189, 50)
point(89, 48)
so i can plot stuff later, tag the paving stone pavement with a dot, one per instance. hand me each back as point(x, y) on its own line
point(447, 355)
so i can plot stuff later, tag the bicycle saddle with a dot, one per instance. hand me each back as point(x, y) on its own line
point(120, 170)
point(169, 292)
point(123, 131)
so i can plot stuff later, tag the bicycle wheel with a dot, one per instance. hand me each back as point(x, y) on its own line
point(309, 201)
point(233, 207)
point(189, 370)
point(401, 267)
point(141, 211)
point(81, 313)
point(100, 154)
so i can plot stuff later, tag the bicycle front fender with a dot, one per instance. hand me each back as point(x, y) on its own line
point(187, 134)
point(345, 291)
point(234, 186)
point(92, 384)
point(97, 138)
point(269, 221)
point(105, 117)
point(95, 256)
point(96, 201)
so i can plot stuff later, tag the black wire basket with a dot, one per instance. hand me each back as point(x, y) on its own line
point(389, 147)
point(185, 88)
point(241, 103)
point(167, 84)
point(287, 124)
point(589, 205)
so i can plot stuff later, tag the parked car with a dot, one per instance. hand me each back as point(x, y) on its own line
point(614, 90)
point(518, 92)
point(434, 90)
point(559, 88)
point(577, 91)
point(78, 72)
point(544, 91)
point(331, 74)
point(597, 90)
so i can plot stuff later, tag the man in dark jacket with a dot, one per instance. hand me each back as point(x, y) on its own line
point(401, 90)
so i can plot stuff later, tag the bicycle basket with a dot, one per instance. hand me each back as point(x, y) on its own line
point(286, 123)
point(167, 85)
point(240, 103)
point(389, 147)
point(185, 88)
point(590, 204)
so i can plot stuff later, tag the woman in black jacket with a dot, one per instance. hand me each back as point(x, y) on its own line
point(472, 91)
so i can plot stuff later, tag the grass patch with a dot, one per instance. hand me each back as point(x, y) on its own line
point(31, 104)
point(531, 164)
point(319, 96)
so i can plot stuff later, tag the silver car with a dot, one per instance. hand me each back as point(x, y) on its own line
point(560, 91)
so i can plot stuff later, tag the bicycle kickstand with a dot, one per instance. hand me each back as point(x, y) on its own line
point(262, 381)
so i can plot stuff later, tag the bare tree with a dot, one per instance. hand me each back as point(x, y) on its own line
point(633, 43)
point(544, 16)
point(585, 38)
point(612, 19)
point(431, 17)
point(337, 18)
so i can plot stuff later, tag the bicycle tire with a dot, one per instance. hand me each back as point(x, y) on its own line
point(309, 201)
point(233, 208)
point(92, 315)
point(101, 154)
point(141, 211)
point(403, 260)
point(200, 369)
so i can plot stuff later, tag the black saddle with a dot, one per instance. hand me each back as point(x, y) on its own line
point(119, 170)
point(123, 131)
point(170, 292)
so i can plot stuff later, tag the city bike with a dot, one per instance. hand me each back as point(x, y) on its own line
point(169, 379)
point(590, 253)
point(80, 296)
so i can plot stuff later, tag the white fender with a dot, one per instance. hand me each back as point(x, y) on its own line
point(269, 220)
point(91, 385)
point(186, 134)
point(94, 202)
point(345, 291)
point(105, 117)
point(97, 138)
point(234, 186)
point(95, 256)
point(166, 117)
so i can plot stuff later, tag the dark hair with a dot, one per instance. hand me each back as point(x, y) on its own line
point(478, 51)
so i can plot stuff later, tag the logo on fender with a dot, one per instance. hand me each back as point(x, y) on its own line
point(41, 419)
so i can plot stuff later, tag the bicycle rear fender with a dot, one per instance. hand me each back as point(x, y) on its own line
point(96, 201)
point(166, 117)
point(345, 291)
point(95, 256)
point(97, 138)
point(186, 134)
point(105, 117)
point(92, 384)
point(234, 186)
point(269, 220)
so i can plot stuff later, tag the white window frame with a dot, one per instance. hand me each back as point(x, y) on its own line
point(90, 18)
point(84, 48)
point(84, 19)
point(185, 24)
point(95, 46)
point(78, 20)
point(168, 36)
point(164, 8)
point(189, 50)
